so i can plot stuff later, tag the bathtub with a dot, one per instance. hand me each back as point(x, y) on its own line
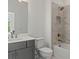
point(62, 51)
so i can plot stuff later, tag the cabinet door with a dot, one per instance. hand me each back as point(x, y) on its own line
point(11, 55)
point(27, 53)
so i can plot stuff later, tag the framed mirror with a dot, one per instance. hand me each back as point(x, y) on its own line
point(18, 13)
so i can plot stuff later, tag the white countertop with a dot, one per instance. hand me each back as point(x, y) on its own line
point(22, 37)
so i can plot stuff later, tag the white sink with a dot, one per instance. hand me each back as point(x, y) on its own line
point(12, 39)
point(20, 38)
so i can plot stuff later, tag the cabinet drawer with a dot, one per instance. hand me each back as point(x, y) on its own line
point(31, 43)
point(17, 45)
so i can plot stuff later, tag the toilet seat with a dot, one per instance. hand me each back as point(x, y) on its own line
point(42, 50)
point(46, 50)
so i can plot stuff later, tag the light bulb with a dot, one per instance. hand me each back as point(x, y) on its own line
point(20, 0)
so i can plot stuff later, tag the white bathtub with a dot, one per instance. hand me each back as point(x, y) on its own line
point(62, 52)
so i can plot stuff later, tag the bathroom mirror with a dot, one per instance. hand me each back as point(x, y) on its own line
point(10, 21)
point(19, 16)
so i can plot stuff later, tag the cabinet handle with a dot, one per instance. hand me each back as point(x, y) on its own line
point(16, 54)
point(26, 44)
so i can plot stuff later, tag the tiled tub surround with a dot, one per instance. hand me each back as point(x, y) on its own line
point(60, 24)
point(67, 24)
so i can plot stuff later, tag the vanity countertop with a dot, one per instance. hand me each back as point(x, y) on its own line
point(23, 37)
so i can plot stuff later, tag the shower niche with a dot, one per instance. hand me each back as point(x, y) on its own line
point(60, 14)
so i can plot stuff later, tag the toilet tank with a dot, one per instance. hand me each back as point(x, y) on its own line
point(40, 42)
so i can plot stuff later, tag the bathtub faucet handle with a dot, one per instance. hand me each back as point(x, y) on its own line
point(60, 40)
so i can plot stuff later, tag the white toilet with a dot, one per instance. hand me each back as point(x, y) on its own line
point(44, 51)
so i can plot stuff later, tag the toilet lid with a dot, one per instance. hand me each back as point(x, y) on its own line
point(45, 49)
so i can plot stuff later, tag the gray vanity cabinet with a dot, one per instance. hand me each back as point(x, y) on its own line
point(11, 55)
point(21, 50)
point(25, 54)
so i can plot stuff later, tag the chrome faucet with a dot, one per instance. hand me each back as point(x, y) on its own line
point(13, 35)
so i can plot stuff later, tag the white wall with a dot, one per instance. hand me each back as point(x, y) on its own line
point(36, 22)
point(48, 23)
point(40, 19)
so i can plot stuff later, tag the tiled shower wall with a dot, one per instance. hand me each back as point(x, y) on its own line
point(64, 27)
point(67, 24)
point(54, 24)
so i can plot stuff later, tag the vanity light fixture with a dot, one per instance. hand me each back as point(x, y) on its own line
point(22, 0)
